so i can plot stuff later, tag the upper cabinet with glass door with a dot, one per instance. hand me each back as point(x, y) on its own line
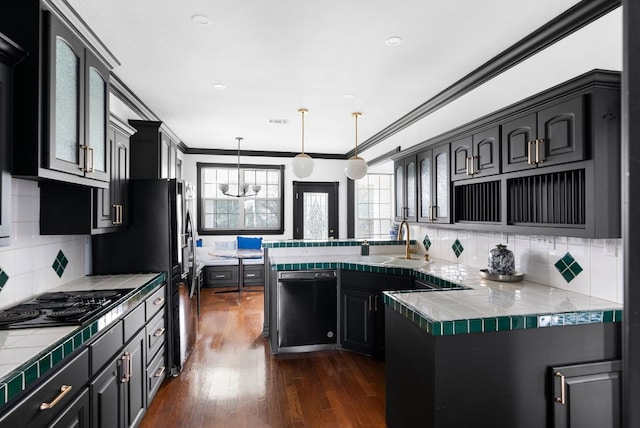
point(434, 186)
point(62, 101)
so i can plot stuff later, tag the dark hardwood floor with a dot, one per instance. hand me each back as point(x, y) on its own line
point(232, 380)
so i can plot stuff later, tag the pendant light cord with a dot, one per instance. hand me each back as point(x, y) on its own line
point(302, 112)
point(356, 115)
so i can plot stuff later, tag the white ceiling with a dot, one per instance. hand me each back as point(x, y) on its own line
point(275, 57)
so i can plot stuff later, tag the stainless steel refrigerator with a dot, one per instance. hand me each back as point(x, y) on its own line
point(159, 238)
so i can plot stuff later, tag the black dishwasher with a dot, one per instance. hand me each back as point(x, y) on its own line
point(307, 309)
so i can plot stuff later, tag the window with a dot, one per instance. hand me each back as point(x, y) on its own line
point(373, 206)
point(257, 213)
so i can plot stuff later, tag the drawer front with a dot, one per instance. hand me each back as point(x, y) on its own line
point(253, 274)
point(106, 346)
point(156, 336)
point(221, 276)
point(156, 302)
point(156, 372)
point(134, 321)
point(28, 412)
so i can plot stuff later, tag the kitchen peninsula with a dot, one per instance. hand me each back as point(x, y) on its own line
point(481, 351)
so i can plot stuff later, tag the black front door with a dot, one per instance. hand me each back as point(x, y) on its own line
point(315, 210)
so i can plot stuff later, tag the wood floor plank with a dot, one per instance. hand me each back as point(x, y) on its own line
point(231, 379)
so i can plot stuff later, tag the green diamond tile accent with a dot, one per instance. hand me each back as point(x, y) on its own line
point(3, 278)
point(457, 248)
point(461, 326)
point(14, 386)
point(60, 263)
point(3, 394)
point(57, 355)
point(490, 324)
point(531, 321)
point(517, 322)
point(504, 323)
point(475, 326)
point(568, 267)
point(427, 242)
point(45, 364)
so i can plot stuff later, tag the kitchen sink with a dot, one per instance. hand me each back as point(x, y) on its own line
point(395, 261)
point(373, 259)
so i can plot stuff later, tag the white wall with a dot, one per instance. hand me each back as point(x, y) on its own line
point(29, 259)
point(324, 171)
point(535, 256)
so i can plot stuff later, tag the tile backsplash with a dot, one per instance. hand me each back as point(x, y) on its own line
point(591, 271)
point(32, 263)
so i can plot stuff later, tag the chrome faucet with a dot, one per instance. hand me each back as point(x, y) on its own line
point(408, 246)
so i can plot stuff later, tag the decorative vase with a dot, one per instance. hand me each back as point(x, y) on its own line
point(501, 261)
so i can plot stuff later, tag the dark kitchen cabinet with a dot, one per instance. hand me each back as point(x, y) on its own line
point(9, 55)
point(362, 309)
point(110, 209)
point(153, 151)
point(476, 155)
point(118, 393)
point(434, 185)
point(587, 395)
point(56, 394)
point(76, 414)
point(221, 276)
point(252, 274)
point(62, 101)
point(405, 179)
point(552, 135)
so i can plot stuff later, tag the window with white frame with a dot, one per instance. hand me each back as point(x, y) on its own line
point(260, 212)
point(374, 206)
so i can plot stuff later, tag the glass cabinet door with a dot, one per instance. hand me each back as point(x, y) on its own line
point(399, 184)
point(66, 91)
point(426, 172)
point(411, 188)
point(442, 185)
point(96, 118)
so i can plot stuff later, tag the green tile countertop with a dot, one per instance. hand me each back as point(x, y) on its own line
point(302, 243)
point(27, 354)
point(484, 306)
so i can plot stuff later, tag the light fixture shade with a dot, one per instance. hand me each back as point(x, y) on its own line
point(356, 168)
point(302, 165)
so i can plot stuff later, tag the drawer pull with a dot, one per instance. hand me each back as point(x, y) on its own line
point(158, 301)
point(221, 276)
point(250, 275)
point(159, 372)
point(562, 399)
point(159, 332)
point(64, 390)
point(126, 367)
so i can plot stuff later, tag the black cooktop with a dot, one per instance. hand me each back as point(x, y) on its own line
point(58, 308)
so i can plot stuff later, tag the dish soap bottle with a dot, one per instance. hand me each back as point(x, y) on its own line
point(501, 261)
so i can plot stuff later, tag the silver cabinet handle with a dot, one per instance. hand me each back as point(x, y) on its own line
point(539, 142)
point(158, 301)
point(126, 367)
point(375, 301)
point(159, 332)
point(159, 372)
point(562, 398)
point(250, 275)
point(473, 165)
point(530, 161)
point(370, 305)
point(221, 276)
point(64, 390)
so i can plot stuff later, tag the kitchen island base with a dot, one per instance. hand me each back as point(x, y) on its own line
point(497, 379)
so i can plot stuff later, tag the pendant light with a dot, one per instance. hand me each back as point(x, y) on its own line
point(242, 189)
point(302, 164)
point(356, 167)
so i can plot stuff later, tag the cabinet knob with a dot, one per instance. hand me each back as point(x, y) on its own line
point(159, 332)
point(158, 301)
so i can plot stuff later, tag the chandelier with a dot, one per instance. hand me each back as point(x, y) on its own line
point(242, 188)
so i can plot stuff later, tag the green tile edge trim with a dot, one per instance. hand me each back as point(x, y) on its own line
point(16, 381)
point(329, 243)
point(499, 323)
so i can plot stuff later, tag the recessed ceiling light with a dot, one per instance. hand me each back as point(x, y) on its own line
point(393, 41)
point(219, 86)
point(349, 96)
point(200, 19)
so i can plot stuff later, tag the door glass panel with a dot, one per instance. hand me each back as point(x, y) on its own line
point(442, 191)
point(399, 190)
point(316, 215)
point(411, 190)
point(97, 124)
point(425, 187)
point(67, 103)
